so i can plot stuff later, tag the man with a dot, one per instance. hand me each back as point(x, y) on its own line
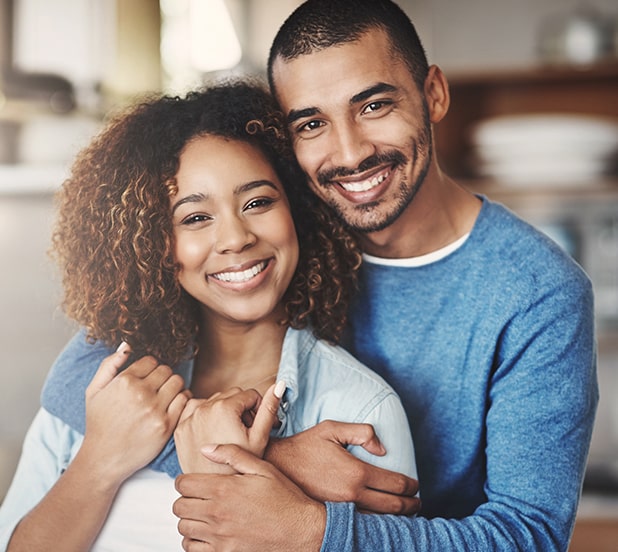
point(482, 325)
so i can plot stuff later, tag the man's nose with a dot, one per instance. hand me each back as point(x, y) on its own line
point(349, 145)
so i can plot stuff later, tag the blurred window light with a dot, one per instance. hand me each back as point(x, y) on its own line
point(71, 38)
point(197, 37)
point(214, 44)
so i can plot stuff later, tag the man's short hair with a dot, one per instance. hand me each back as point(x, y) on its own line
point(319, 24)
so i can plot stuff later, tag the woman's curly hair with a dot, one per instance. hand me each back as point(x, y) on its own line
point(113, 237)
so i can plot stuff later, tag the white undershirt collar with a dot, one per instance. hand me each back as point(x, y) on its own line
point(421, 260)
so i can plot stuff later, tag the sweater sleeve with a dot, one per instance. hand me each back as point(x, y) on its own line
point(541, 404)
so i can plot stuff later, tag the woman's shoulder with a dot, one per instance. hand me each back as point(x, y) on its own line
point(336, 365)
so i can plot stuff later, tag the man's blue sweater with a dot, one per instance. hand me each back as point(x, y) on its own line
point(492, 351)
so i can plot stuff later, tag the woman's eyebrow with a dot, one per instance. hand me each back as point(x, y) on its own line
point(191, 198)
point(248, 186)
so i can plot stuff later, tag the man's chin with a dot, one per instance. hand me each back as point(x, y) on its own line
point(369, 221)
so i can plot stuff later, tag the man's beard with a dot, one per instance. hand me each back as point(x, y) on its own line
point(406, 193)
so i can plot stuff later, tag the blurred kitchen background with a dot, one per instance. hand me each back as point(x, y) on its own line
point(533, 123)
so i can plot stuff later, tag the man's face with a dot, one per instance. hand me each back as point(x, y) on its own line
point(359, 126)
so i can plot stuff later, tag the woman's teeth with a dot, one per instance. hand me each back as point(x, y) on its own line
point(240, 276)
point(365, 185)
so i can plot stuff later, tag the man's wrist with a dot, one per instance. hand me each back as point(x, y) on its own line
point(271, 451)
point(313, 527)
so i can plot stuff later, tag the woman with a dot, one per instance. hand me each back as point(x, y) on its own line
point(185, 233)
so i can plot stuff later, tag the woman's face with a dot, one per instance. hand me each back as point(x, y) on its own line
point(234, 236)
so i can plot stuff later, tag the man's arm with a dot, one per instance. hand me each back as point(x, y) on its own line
point(267, 512)
point(264, 508)
point(343, 477)
point(540, 414)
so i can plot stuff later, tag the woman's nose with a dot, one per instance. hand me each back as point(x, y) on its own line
point(234, 235)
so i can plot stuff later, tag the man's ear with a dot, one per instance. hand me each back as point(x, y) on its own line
point(437, 94)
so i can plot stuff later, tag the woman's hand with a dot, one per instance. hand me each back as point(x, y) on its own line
point(235, 416)
point(130, 416)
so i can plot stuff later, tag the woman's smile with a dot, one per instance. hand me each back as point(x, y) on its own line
point(235, 239)
point(243, 275)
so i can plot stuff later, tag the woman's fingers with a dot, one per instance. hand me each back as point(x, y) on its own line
point(266, 415)
point(108, 369)
point(143, 367)
point(189, 409)
point(178, 406)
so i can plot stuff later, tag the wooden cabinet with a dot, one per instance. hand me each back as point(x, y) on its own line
point(478, 96)
point(584, 215)
point(595, 535)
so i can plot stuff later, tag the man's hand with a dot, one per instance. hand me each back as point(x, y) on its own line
point(234, 416)
point(258, 509)
point(318, 462)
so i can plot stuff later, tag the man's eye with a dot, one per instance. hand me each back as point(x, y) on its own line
point(309, 126)
point(375, 106)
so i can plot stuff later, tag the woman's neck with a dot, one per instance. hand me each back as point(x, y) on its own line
point(237, 356)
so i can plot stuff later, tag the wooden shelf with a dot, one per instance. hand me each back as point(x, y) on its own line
point(605, 189)
point(537, 74)
point(476, 96)
point(599, 535)
point(582, 216)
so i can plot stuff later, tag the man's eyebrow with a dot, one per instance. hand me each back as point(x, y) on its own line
point(296, 114)
point(378, 88)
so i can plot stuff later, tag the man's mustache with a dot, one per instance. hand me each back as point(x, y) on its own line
point(393, 158)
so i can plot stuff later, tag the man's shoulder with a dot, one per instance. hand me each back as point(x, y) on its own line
point(517, 246)
point(79, 357)
point(66, 383)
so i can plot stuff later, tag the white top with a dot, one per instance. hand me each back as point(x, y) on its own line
point(141, 519)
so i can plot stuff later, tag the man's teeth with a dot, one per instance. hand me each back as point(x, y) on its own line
point(363, 186)
point(241, 276)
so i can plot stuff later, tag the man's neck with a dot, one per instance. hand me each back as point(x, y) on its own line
point(440, 213)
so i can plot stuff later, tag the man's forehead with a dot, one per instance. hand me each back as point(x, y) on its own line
point(340, 73)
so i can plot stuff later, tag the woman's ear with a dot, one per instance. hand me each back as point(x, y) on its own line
point(437, 94)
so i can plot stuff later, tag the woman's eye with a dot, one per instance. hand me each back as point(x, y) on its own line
point(260, 202)
point(194, 219)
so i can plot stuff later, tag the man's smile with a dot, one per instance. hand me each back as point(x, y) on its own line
point(366, 183)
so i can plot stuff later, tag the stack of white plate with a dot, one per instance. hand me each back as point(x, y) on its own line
point(535, 149)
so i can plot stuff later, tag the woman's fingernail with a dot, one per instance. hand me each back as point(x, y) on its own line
point(123, 348)
point(279, 389)
point(208, 448)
